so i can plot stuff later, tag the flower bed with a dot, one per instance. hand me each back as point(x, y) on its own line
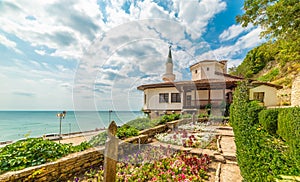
point(196, 127)
point(183, 138)
point(180, 166)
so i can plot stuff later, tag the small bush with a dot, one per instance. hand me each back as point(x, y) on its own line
point(141, 123)
point(126, 131)
point(203, 115)
point(99, 139)
point(167, 118)
point(269, 119)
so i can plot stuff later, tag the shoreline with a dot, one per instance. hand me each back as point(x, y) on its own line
point(65, 136)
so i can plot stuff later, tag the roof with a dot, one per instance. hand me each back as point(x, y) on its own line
point(227, 81)
point(207, 61)
point(258, 83)
point(199, 84)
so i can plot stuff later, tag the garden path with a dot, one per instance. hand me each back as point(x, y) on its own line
point(225, 160)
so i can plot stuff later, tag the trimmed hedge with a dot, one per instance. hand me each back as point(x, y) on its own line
point(269, 119)
point(289, 130)
point(261, 156)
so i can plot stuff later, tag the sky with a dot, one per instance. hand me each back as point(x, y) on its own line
point(92, 54)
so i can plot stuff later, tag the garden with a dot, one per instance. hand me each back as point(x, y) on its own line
point(146, 163)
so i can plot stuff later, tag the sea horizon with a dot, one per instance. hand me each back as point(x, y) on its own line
point(16, 124)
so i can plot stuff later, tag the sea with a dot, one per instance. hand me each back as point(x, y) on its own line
point(16, 125)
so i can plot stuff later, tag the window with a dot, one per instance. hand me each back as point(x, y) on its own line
point(196, 71)
point(207, 69)
point(175, 97)
point(164, 98)
point(145, 99)
point(259, 96)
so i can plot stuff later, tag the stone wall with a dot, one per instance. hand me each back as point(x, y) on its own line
point(67, 167)
point(295, 95)
point(60, 170)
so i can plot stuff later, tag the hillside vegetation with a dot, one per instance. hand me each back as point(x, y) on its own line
point(274, 62)
point(277, 60)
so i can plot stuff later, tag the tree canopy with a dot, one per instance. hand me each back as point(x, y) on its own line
point(278, 18)
point(280, 21)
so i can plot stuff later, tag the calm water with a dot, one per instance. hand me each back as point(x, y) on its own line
point(16, 124)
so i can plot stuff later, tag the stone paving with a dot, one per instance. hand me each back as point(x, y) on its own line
point(230, 170)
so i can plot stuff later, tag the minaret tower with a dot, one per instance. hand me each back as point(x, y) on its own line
point(169, 76)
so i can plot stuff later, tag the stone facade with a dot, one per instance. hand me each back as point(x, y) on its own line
point(295, 95)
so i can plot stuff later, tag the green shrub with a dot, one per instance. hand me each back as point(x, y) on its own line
point(34, 151)
point(269, 119)
point(261, 156)
point(126, 131)
point(141, 123)
point(253, 109)
point(167, 118)
point(99, 139)
point(289, 130)
point(203, 115)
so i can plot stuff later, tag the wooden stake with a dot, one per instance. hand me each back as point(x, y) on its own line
point(111, 154)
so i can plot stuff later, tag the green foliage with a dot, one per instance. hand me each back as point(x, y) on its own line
point(279, 18)
point(167, 118)
point(280, 21)
point(289, 130)
point(261, 156)
point(269, 119)
point(132, 128)
point(34, 151)
point(255, 60)
point(142, 123)
point(203, 115)
point(126, 131)
point(99, 139)
point(186, 116)
point(269, 76)
point(253, 109)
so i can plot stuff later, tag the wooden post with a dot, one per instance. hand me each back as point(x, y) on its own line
point(111, 154)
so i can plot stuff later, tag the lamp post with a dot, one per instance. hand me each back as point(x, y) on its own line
point(61, 116)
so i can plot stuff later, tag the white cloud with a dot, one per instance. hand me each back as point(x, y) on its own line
point(245, 42)
point(233, 31)
point(197, 14)
point(67, 28)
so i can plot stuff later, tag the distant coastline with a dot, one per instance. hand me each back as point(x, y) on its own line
point(15, 125)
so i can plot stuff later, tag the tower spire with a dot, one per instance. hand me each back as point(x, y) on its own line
point(169, 76)
point(170, 54)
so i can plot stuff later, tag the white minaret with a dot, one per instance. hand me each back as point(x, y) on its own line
point(169, 76)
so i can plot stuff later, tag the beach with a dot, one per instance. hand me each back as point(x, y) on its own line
point(76, 139)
